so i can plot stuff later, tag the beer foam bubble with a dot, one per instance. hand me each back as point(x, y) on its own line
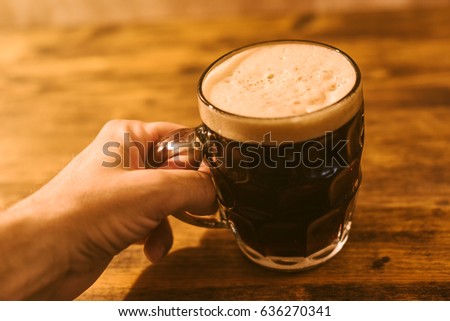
point(281, 87)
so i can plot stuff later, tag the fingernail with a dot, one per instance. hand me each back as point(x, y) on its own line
point(157, 252)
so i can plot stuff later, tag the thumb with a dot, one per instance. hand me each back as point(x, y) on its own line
point(164, 192)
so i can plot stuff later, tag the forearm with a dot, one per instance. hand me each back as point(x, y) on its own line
point(31, 252)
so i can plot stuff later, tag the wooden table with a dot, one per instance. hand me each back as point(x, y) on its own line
point(58, 86)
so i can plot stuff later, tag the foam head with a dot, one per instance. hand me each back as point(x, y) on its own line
point(295, 90)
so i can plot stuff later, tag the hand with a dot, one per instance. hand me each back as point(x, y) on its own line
point(57, 242)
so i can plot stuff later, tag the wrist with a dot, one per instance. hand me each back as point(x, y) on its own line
point(32, 249)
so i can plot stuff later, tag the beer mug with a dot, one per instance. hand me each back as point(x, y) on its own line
point(282, 132)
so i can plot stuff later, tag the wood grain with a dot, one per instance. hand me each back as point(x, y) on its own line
point(58, 87)
point(32, 13)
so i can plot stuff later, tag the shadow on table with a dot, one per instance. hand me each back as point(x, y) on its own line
point(216, 270)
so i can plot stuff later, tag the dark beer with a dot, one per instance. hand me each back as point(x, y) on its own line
point(288, 200)
point(283, 133)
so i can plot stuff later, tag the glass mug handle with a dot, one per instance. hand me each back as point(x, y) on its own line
point(184, 142)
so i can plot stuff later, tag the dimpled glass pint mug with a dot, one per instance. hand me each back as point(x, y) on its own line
point(283, 134)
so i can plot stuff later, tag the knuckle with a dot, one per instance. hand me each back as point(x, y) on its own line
point(116, 124)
